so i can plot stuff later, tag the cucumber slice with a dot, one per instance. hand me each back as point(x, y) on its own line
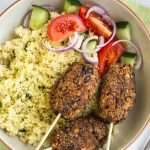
point(92, 45)
point(39, 17)
point(123, 30)
point(128, 58)
point(71, 6)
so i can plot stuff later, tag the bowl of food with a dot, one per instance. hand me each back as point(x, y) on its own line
point(74, 75)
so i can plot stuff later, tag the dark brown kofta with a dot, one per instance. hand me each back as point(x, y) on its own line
point(118, 93)
point(73, 95)
point(81, 134)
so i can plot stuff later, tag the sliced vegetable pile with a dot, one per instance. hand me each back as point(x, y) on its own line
point(88, 30)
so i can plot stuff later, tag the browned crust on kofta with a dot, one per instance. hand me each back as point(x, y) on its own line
point(73, 94)
point(81, 134)
point(118, 93)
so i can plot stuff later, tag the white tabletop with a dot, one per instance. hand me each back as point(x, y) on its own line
point(145, 136)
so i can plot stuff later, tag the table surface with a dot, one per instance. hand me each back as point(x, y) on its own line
point(145, 136)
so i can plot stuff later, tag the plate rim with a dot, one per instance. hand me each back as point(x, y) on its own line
point(147, 33)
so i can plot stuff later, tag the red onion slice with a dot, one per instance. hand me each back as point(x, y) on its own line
point(99, 10)
point(107, 19)
point(134, 49)
point(72, 42)
point(78, 45)
point(99, 39)
point(91, 59)
point(26, 19)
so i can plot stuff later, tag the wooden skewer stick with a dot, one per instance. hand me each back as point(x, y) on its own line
point(109, 137)
point(48, 132)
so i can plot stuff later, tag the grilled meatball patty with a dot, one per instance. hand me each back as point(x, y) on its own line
point(81, 134)
point(74, 93)
point(118, 93)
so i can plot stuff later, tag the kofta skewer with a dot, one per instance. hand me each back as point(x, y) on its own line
point(123, 71)
point(83, 133)
point(74, 79)
point(119, 73)
point(117, 95)
point(74, 93)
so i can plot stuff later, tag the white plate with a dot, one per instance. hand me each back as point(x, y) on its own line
point(138, 118)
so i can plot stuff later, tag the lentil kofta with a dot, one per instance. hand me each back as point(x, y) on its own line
point(118, 93)
point(73, 95)
point(81, 134)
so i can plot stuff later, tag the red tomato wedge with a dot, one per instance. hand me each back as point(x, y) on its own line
point(109, 55)
point(64, 26)
point(95, 23)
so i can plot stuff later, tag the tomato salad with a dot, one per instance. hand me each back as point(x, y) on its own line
point(89, 30)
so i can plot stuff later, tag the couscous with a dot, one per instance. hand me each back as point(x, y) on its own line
point(27, 73)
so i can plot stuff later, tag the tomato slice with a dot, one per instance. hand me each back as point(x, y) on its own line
point(95, 23)
point(64, 26)
point(82, 12)
point(109, 55)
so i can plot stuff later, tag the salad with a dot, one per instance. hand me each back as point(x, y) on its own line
point(88, 30)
